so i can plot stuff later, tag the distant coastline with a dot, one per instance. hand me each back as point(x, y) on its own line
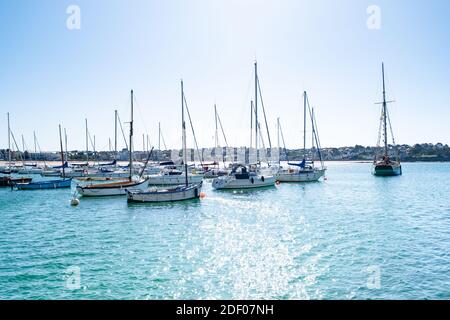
point(425, 152)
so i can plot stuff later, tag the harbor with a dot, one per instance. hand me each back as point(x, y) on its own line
point(280, 243)
point(224, 158)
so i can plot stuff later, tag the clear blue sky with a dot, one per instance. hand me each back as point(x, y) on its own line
point(51, 75)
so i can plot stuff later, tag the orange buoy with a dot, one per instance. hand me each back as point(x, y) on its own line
point(202, 195)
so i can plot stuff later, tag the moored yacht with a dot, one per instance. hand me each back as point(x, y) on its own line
point(251, 176)
point(118, 187)
point(304, 171)
point(241, 177)
point(185, 190)
point(383, 165)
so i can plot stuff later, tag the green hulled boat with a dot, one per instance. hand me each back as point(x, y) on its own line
point(383, 165)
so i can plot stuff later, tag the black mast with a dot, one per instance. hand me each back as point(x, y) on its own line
point(384, 114)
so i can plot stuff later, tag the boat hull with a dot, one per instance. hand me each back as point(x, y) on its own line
point(168, 195)
point(173, 179)
point(117, 190)
point(387, 170)
point(300, 176)
point(230, 182)
point(43, 185)
point(8, 181)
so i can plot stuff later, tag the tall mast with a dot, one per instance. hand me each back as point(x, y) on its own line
point(251, 123)
point(278, 138)
point(65, 141)
point(216, 140)
point(384, 114)
point(256, 110)
point(115, 134)
point(159, 136)
point(23, 147)
point(131, 137)
point(9, 143)
point(304, 125)
point(35, 148)
point(183, 127)
point(87, 144)
point(62, 153)
point(95, 153)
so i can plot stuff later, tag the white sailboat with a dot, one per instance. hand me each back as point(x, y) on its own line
point(241, 176)
point(304, 171)
point(118, 187)
point(182, 192)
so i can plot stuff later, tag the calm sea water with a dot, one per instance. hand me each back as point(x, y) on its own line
point(353, 236)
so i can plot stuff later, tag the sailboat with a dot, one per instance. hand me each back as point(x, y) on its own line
point(173, 174)
point(119, 187)
point(48, 184)
point(304, 171)
point(383, 165)
point(182, 192)
point(251, 176)
point(8, 180)
point(213, 170)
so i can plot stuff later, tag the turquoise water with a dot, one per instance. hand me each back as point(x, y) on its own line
point(353, 236)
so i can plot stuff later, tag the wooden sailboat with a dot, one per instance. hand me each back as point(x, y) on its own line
point(384, 165)
point(119, 187)
point(8, 180)
point(49, 184)
point(304, 171)
point(186, 191)
point(242, 176)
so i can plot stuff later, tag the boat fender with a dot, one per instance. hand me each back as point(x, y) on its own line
point(262, 178)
